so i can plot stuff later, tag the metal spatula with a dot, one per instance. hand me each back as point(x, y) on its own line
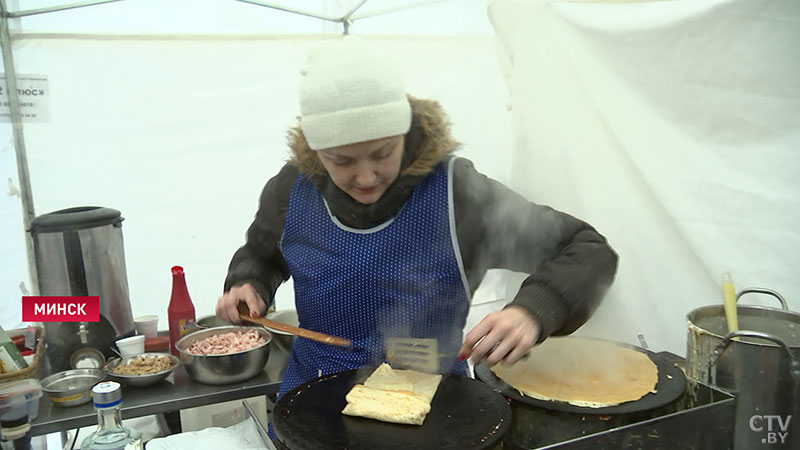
point(420, 354)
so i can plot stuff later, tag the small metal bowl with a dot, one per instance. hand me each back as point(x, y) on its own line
point(211, 321)
point(225, 368)
point(72, 387)
point(282, 339)
point(148, 379)
point(87, 358)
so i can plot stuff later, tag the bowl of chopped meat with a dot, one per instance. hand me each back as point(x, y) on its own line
point(144, 369)
point(224, 355)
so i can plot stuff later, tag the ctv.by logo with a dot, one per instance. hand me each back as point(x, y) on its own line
point(773, 437)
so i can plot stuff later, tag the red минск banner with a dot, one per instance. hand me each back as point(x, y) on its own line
point(60, 309)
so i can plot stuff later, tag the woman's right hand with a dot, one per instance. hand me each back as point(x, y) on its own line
point(228, 304)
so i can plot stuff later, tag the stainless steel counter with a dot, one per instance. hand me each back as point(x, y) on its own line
point(173, 394)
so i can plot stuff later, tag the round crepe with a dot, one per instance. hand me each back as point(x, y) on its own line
point(582, 372)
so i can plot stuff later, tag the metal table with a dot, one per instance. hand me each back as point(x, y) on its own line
point(173, 394)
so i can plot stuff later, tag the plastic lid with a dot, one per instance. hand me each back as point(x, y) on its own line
point(13, 430)
point(14, 433)
point(107, 394)
point(78, 218)
point(12, 422)
point(19, 391)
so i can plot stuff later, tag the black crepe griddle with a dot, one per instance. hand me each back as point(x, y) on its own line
point(465, 414)
point(670, 386)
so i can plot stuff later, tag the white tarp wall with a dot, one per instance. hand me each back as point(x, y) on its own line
point(181, 131)
point(674, 128)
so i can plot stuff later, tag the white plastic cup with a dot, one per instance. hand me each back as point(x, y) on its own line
point(146, 326)
point(130, 346)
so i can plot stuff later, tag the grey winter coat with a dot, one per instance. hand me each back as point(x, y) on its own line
point(570, 264)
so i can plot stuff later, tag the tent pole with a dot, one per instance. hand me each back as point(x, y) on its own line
point(291, 10)
point(31, 12)
point(396, 9)
point(28, 213)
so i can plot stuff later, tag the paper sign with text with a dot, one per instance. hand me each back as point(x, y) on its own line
point(34, 98)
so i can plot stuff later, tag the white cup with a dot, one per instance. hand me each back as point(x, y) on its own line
point(146, 326)
point(130, 346)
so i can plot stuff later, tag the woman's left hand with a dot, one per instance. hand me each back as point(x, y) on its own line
point(504, 335)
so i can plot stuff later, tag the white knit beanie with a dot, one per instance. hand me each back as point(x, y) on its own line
point(350, 94)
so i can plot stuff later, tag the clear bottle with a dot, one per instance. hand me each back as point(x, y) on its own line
point(111, 434)
point(180, 311)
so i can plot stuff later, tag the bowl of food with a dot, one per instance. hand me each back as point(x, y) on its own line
point(144, 369)
point(223, 355)
point(282, 339)
point(72, 387)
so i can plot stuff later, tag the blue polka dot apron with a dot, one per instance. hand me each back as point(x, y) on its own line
point(402, 278)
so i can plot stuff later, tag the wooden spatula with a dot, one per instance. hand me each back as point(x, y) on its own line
point(308, 334)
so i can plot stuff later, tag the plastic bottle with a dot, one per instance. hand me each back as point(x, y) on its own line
point(16, 432)
point(111, 434)
point(181, 309)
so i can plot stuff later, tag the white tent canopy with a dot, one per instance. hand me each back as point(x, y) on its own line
point(179, 121)
point(671, 126)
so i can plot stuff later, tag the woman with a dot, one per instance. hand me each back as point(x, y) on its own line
point(387, 234)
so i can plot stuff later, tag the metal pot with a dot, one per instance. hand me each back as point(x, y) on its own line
point(80, 252)
point(759, 364)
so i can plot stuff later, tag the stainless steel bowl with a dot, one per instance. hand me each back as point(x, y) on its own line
point(282, 339)
point(87, 358)
point(226, 368)
point(211, 321)
point(72, 387)
point(140, 380)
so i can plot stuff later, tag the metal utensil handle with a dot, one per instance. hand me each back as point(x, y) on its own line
point(757, 290)
point(794, 364)
point(642, 342)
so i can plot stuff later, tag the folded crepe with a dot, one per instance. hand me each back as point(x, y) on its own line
point(397, 396)
point(387, 406)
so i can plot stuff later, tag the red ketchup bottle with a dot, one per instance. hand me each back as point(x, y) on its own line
point(180, 311)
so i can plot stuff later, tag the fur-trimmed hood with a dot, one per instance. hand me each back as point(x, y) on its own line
point(428, 121)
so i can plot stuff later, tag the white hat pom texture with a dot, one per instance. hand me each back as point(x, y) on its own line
point(349, 94)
